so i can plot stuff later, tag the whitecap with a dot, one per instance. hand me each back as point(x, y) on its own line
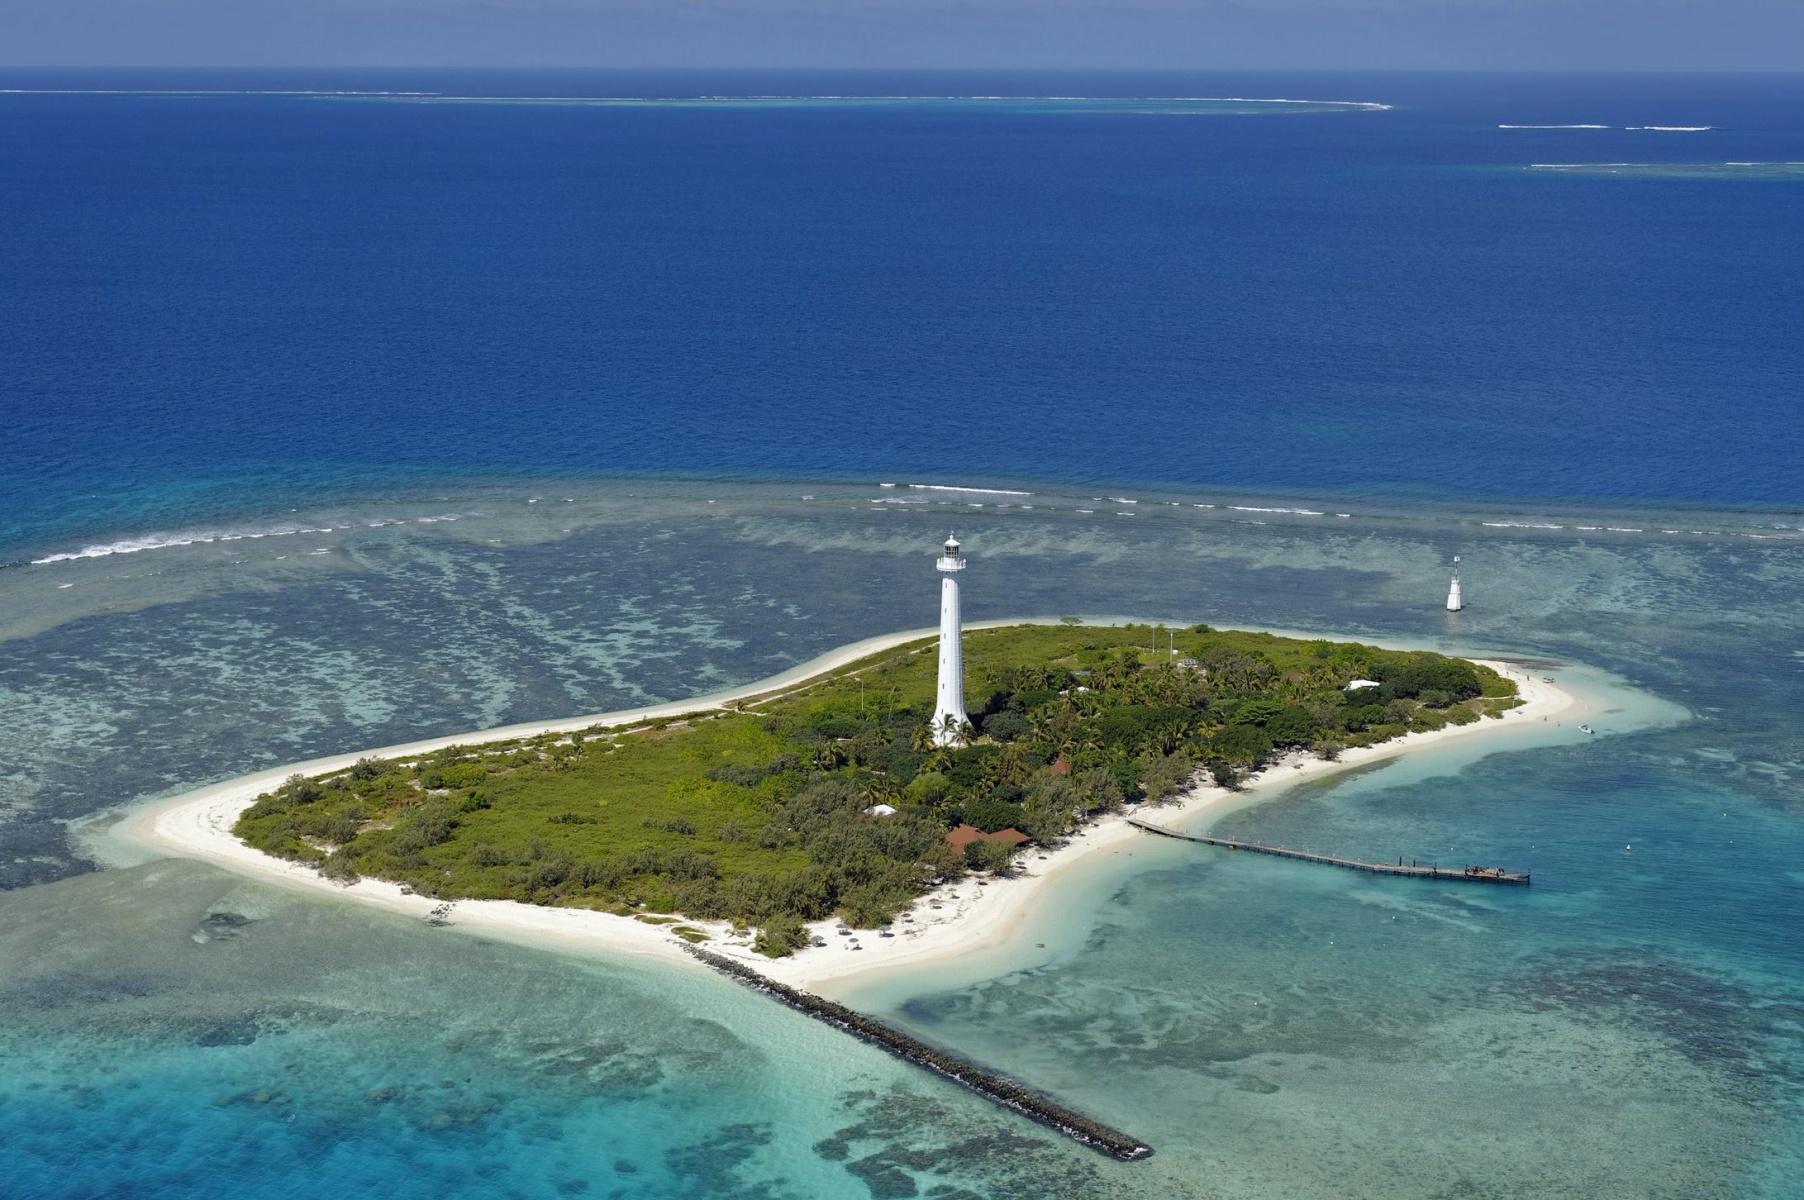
point(1298, 512)
point(976, 491)
point(164, 541)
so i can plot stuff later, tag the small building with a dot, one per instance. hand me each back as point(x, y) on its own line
point(880, 810)
point(1357, 684)
point(964, 835)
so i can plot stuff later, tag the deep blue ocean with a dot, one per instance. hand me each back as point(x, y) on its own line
point(213, 300)
point(339, 409)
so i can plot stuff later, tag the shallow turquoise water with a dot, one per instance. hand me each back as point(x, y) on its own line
point(1628, 1027)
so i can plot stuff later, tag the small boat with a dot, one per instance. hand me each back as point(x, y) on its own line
point(1547, 679)
point(1586, 729)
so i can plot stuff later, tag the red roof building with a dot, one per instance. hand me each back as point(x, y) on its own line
point(964, 835)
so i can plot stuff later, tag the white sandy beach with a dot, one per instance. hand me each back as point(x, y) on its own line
point(956, 922)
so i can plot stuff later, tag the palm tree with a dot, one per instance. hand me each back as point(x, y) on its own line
point(1011, 766)
point(1169, 733)
point(877, 789)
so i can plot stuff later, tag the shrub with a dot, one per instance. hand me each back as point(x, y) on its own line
point(734, 773)
point(970, 765)
point(929, 787)
point(427, 825)
point(866, 906)
point(302, 790)
point(1408, 675)
point(991, 815)
point(370, 768)
point(550, 872)
point(1127, 777)
point(1007, 726)
point(993, 857)
point(1428, 718)
point(1242, 744)
point(1291, 726)
point(604, 873)
point(699, 898)
point(485, 855)
point(1165, 775)
point(781, 935)
point(1254, 712)
point(1100, 791)
point(836, 727)
point(687, 864)
point(340, 869)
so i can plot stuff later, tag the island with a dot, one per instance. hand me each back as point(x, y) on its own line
point(841, 795)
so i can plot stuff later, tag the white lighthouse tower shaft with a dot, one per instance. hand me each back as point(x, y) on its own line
point(1455, 601)
point(949, 718)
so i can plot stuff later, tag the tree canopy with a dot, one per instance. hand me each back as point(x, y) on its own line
point(760, 815)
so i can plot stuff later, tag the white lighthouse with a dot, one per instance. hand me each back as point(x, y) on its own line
point(949, 718)
point(1454, 601)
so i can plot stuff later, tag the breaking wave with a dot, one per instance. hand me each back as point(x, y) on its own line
point(204, 537)
point(975, 491)
point(1295, 512)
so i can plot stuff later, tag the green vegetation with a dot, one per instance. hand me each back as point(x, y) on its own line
point(756, 815)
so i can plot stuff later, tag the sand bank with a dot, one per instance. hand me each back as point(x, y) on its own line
point(969, 921)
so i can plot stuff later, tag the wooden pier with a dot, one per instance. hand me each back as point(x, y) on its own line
point(987, 1084)
point(1410, 870)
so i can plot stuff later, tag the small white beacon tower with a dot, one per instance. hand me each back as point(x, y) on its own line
point(1455, 601)
point(949, 707)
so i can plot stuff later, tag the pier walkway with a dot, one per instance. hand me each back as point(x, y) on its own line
point(1411, 870)
point(987, 1084)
